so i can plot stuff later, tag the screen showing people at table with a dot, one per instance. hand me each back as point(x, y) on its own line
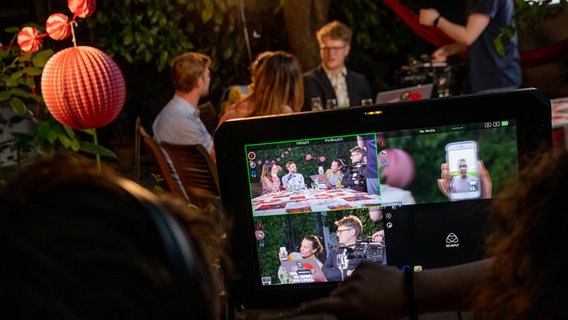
point(308, 158)
point(407, 162)
point(306, 264)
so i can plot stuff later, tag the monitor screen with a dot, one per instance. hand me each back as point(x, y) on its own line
point(287, 179)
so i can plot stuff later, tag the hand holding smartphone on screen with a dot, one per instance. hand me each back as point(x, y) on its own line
point(462, 160)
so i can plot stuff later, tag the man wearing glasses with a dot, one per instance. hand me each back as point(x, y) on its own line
point(355, 176)
point(331, 79)
point(349, 229)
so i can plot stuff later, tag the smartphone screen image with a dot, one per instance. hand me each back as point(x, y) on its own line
point(461, 157)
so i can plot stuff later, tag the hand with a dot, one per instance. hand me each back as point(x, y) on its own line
point(378, 236)
point(484, 179)
point(371, 290)
point(426, 17)
point(440, 55)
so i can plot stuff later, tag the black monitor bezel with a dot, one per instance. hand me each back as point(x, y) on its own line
point(530, 108)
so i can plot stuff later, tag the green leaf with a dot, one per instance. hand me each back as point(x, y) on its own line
point(96, 149)
point(128, 40)
point(18, 106)
point(70, 131)
point(12, 29)
point(41, 57)
point(32, 71)
point(91, 131)
point(19, 92)
point(5, 95)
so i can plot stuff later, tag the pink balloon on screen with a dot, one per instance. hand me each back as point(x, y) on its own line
point(58, 26)
point(375, 214)
point(83, 87)
point(29, 39)
point(399, 170)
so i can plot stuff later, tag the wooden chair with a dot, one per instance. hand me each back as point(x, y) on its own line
point(197, 172)
point(208, 115)
point(162, 167)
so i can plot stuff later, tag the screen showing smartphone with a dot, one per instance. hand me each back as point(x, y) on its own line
point(461, 157)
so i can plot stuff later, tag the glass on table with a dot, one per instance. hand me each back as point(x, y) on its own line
point(342, 263)
point(366, 102)
point(316, 104)
point(266, 281)
point(331, 103)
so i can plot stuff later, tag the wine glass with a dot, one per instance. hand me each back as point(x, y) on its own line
point(331, 103)
point(366, 102)
point(341, 261)
point(316, 104)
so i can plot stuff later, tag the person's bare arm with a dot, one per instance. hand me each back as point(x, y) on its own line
point(476, 23)
point(378, 292)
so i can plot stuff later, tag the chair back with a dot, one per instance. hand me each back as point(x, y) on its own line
point(162, 167)
point(208, 116)
point(196, 170)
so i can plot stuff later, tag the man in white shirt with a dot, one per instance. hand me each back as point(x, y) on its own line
point(293, 180)
point(178, 122)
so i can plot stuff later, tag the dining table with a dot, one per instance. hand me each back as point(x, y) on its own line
point(312, 200)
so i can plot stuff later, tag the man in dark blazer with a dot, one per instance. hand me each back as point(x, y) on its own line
point(331, 79)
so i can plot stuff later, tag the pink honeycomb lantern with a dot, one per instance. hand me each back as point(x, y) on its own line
point(83, 87)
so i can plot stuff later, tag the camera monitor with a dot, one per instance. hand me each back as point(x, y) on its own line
point(390, 157)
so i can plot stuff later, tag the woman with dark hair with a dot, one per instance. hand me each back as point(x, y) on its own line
point(311, 247)
point(269, 178)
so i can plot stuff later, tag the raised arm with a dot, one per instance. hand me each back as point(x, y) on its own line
point(476, 23)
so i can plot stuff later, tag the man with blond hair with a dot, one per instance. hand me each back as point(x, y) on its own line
point(332, 79)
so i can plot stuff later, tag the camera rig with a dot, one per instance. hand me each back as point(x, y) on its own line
point(366, 250)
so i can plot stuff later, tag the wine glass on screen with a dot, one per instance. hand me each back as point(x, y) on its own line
point(341, 261)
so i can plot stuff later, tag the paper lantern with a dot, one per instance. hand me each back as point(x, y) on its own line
point(58, 26)
point(83, 87)
point(29, 39)
point(399, 170)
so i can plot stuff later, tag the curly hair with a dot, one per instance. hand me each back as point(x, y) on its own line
point(335, 30)
point(529, 244)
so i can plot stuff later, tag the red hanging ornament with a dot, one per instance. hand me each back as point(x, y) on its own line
point(58, 26)
point(30, 39)
point(83, 87)
point(81, 8)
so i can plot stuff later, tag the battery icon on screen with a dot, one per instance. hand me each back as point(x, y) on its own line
point(504, 123)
